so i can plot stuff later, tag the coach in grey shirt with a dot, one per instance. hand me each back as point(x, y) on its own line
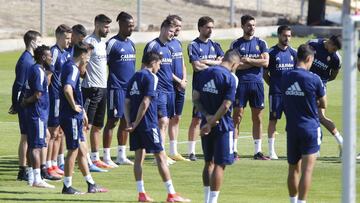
point(94, 86)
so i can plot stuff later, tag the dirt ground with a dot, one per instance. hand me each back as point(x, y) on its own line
point(17, 16)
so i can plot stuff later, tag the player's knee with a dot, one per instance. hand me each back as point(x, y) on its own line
point(111, 123)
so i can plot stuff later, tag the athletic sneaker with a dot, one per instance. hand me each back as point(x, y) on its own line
point(273, 156)
point(22, 175)
point(53, 173)
point(143, 197)
point(101, 164)
point(178, 157)
point(93, 188)
point(176, 198)
point(43, 184)
point(236, 156)
point(170, 161)
point(260, 156)
point(192, 157)
point(71, 191)
point(58, 170)
point(125, 161)
point(46, 175)
point(94, 168)
point(111, 163)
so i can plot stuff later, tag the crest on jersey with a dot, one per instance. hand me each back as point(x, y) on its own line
point(212, 48)
point(328, 58)
point(257, 47)
point(242, 49)
point(201, 49)
point(291, 58)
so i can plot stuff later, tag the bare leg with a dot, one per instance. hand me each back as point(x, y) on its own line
point(307, 167)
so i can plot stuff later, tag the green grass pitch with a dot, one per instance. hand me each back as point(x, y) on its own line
point(245, 181)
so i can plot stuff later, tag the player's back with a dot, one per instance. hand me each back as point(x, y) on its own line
point(301, 89)
point(143, 83)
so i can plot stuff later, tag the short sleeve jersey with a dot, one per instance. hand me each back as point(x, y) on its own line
point(59, 58)
point(175, 47)
point(143, 83)
point(37, 82)
point(70, 75)
point(121, 59)
point(281, 60)
point(324, 62)
point(215, 85)
point(165, 72)
point(253, 49)
point(300, 90)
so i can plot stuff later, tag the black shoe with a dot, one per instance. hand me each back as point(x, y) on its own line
point(236, 156)
point(93, 188)
point(47, 176)
point(260, 156)
point(70, 191)
point(192, 157)
point(22, 175)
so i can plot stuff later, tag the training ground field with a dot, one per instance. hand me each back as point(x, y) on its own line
point(245, 181)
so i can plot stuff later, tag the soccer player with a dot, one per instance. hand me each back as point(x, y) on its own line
point(32, 40)
point(36, 103)
point(73, 118)
point(179, 76)
point(282, 58)
point(327, 63)
point(142, 122)
point(303, 92)
point(213, 95)
point(78, 35)
point(59, 56)
point(94, 86)
point(165, 74)
point(121, 61)
point(255, 57)
point(203, 52)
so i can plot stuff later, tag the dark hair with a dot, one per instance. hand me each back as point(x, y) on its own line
point(150, 57)
point(283, 28)
point(29, 36)
point(61, 29)
point(204, 20)
point(123, 16)
point(82, 47)
point(39, 52)
point(166, 24)
point(79, 29)
point(304, 51)
point(336, 40)
point(101, 18)
point(171, 18)
point(231, 55)
point(246, 18)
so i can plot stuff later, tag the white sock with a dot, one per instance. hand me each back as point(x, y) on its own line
point(206, 194)
point(54, 163)
point(271, 142)
point(107, 155)
point(293, 199)
point(191, 147)
point(173, 148)
point(235, 145)
point(301, 201)
point(95, 156)
point(257, 143)
point(60, 159)
point(89, 159)
point(37, 175)
point(121, 152)
point(140, 186)
point(169, 187)
point(214, 195)
point(68, 181)
point(89, 179)
point(30, 172)
point(48, 164)
point(339, 138)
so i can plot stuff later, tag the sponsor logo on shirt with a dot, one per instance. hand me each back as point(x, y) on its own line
point(295, 90)
point(320, 64)
point(127, 57)
point(134, 89)
point(210, 87)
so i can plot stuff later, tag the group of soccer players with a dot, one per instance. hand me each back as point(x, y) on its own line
point(61, 93)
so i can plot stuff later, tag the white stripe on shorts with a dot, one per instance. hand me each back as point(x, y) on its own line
point(74, 128)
